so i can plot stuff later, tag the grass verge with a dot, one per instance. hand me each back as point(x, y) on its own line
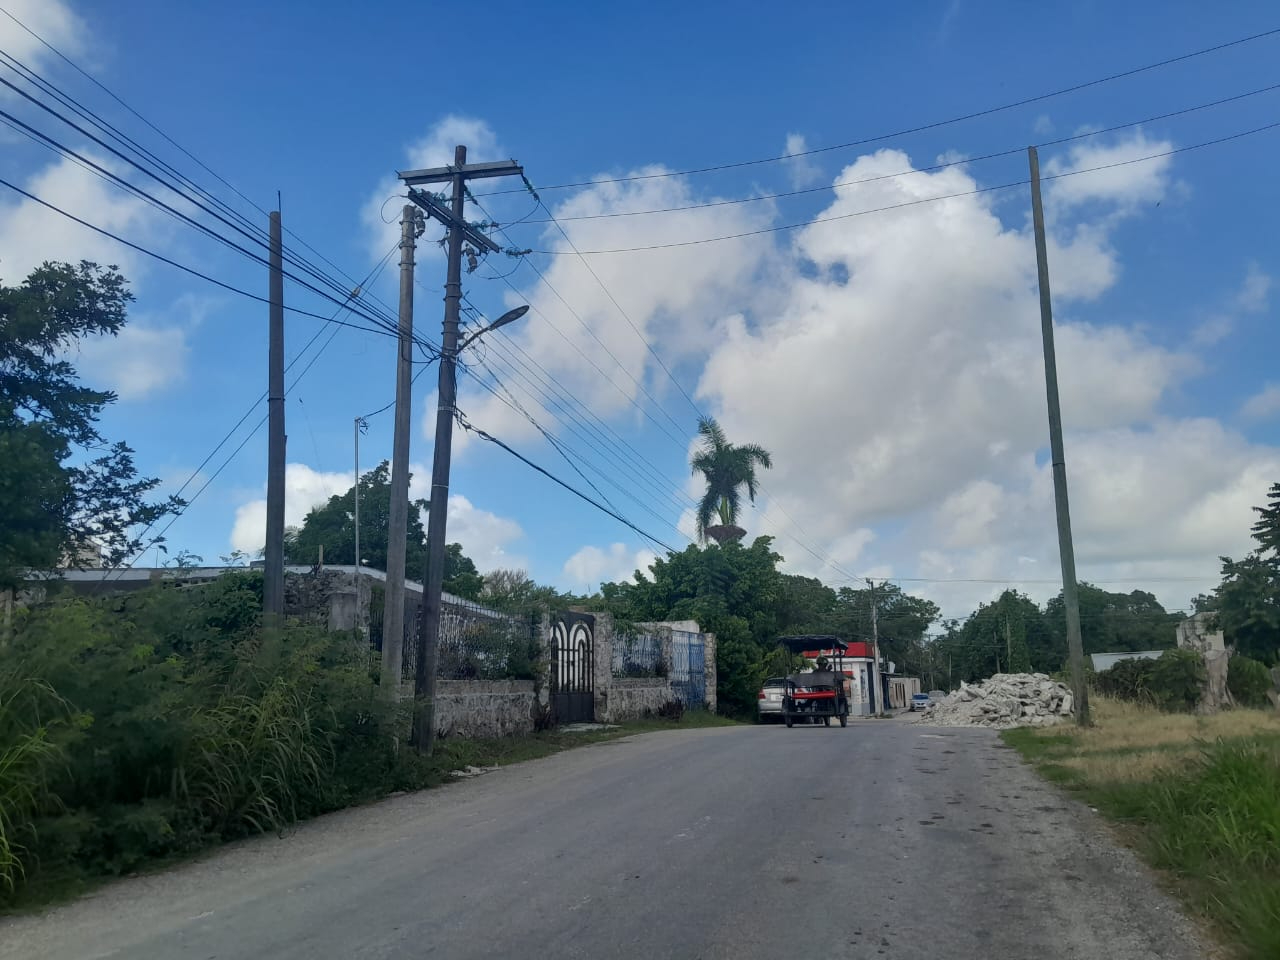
point(1201, 799)
point(65, 883)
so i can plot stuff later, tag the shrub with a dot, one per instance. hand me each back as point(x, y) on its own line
point(1176, 679)
point(1127, 680)
point(151, 724)
point(1248, 680)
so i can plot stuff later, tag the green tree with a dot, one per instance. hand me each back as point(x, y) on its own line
point(733, 591)
point(727, 469)
point(1114, 622)
point(902, 624)
point(1246, 605)
point(1267, 530)
point(332, 526)
point(64, 487)
point(516, 591)
point(1006, 636)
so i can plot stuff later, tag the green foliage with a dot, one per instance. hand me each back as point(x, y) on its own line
point(1218, 825)
point(332, 526)
point(1176, 679)
point(29, 713)
point(63, 486)
point(1246, 607)
point(727, 469)
point(172, 720)
point(1113, 622)
point(1248, 680)
point(1267, 529)
point(1127, 680)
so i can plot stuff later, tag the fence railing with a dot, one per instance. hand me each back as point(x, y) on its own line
point(637, 653)
point(476, 642)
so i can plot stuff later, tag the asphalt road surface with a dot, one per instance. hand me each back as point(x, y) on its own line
point(883, 840)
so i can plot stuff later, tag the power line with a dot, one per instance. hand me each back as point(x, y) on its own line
point(920, 128)
point(191, 270)
point(160, 204)
point(582, 323)
point(912, 203)
point(556, 444)
point(467, 425)
point(933, 168)
point(258, 232)
point(617, 451)
point(369, 278)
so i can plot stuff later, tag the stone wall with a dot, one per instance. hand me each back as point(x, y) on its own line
point(492, 708)
point(632, 699)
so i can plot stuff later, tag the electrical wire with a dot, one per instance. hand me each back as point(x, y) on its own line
point(254, 232)
point(912, 203)
point(369, 278)
point(160, 204)
point(933, 168)
point(919, 128)
point(484, 435)
point(191, 270)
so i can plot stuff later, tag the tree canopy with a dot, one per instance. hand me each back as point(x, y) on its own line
point(332, 525)
point(64, 488)
point(1246, 605)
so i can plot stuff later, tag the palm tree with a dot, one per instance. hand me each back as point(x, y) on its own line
point(726, 468)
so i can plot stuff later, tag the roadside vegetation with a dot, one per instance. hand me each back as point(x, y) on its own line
point(1197, 796)
point(144, 727)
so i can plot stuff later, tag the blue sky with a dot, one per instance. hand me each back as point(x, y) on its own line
point(889, 360)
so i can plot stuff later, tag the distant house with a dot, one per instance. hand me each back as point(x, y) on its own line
point(1105, 661)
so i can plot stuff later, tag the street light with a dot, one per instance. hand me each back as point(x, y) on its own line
point(502, 321)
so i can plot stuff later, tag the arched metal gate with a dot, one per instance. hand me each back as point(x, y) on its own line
point(573, 668)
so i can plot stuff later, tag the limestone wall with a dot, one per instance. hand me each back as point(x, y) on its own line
point(632, 699)
point(493, 708)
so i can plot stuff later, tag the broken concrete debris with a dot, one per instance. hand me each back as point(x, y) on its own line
point(1005, 700)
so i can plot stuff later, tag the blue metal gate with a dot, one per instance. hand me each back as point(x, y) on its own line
point(688, 669)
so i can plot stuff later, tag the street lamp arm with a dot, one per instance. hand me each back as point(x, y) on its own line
point(502, 321)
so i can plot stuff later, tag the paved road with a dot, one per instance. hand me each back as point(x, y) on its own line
point(885, 840)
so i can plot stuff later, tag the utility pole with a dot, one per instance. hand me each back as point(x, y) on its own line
point(398, 514)
point(273, 570)
point(453, 216)
point(1071, 600)
point(875, 652)
point(356, 489)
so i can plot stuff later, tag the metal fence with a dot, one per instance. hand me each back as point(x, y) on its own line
point(637, 653)
point(688, 668)
point(476, 642)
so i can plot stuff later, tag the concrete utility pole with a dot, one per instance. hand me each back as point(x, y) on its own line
point(454, 218)
point(411, 223)
point(875, 652)
point(1071, 600)
point(356, 495)
point(273, 569)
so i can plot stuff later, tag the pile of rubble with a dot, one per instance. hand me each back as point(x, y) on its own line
point(1005, 700)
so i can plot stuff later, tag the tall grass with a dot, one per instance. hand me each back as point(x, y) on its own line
point(1204, 795)
point(27, 754)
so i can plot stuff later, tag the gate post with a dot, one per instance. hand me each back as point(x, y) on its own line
point(709, 669)
point(603, 661)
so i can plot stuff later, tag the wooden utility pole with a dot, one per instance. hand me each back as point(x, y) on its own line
point(398, 514)
point(453, 217)
point(1070, 597)
point(273, 569)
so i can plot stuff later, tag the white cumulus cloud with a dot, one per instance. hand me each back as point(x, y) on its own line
point(592, 566)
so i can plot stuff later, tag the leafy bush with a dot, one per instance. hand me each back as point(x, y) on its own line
point(151, 724)
point(1248, 680)
point(1176, 679)
point(1127, 680)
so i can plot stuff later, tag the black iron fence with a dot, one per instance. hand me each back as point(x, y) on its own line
point(476, 642)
